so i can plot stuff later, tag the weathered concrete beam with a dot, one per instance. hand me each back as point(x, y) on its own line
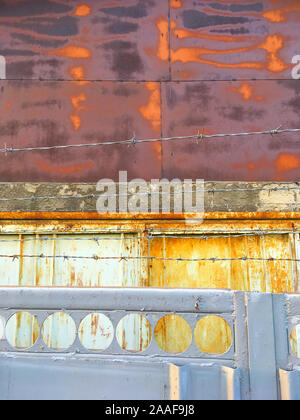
point(228, 197)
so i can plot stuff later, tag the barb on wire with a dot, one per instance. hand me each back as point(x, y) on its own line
point(134, 141)
point(276, 131)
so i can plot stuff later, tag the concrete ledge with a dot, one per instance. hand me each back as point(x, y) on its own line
point(228, 197)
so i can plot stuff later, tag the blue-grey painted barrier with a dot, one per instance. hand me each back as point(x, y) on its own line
point(262, 362)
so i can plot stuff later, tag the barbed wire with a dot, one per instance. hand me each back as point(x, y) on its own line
point(147, 236)
point(149, 194)
point(128, 258)
point(134, 140)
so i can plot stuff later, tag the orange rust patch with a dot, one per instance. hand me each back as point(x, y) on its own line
point(287, 162)
point(251, 166)
point(163, 43)
point(152, 112)
point(190, 54)
point(76, 121)
point(176, 4)
point(83, 10)
point(163, 219)
point(77, 73)
point(76, 101)
point(273, 44)
point(185, 33)
point(279, 15)
point(64, 169)
point(72, 51)
point(246, 90)
point(275, 16)
point(75, 118)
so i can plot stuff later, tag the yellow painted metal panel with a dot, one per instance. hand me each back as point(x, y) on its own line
point(250, 275)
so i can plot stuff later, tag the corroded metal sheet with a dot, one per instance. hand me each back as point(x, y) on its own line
point(223, 40)
point(72, 272)
point(53, 113)
point(96, 40)
point(82, 261)
point(231, 107)
point(253, 275)
point(73, 44)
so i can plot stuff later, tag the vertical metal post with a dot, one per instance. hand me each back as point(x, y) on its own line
point(262, 353)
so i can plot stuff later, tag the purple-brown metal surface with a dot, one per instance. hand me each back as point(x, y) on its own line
point(227, 107)
point(70, 39)
point(227, 40)
point(108, 70)
point(46, 113)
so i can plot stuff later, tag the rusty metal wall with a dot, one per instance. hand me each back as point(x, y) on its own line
point(80, 72)
point(73, 254)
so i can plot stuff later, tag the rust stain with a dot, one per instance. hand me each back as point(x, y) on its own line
point(273, 44)
point(83, 10)
point(163, 42)
point(249, 275)
point(213, 335)
point(19, 319)
point(131, 217)
point(69, 169)
point(173, 334)
point(279, 15)
point(246, 90)
point(76, 102)
point(176, 4)
point(72, 276)
point(282, 163)
point(77, 73)
point(152, 113)
point(186, 33)
point(275, 16)
point(193, 54)
point(76, 121)
point(287, 162)
point(72, 51)
point(94, 324)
